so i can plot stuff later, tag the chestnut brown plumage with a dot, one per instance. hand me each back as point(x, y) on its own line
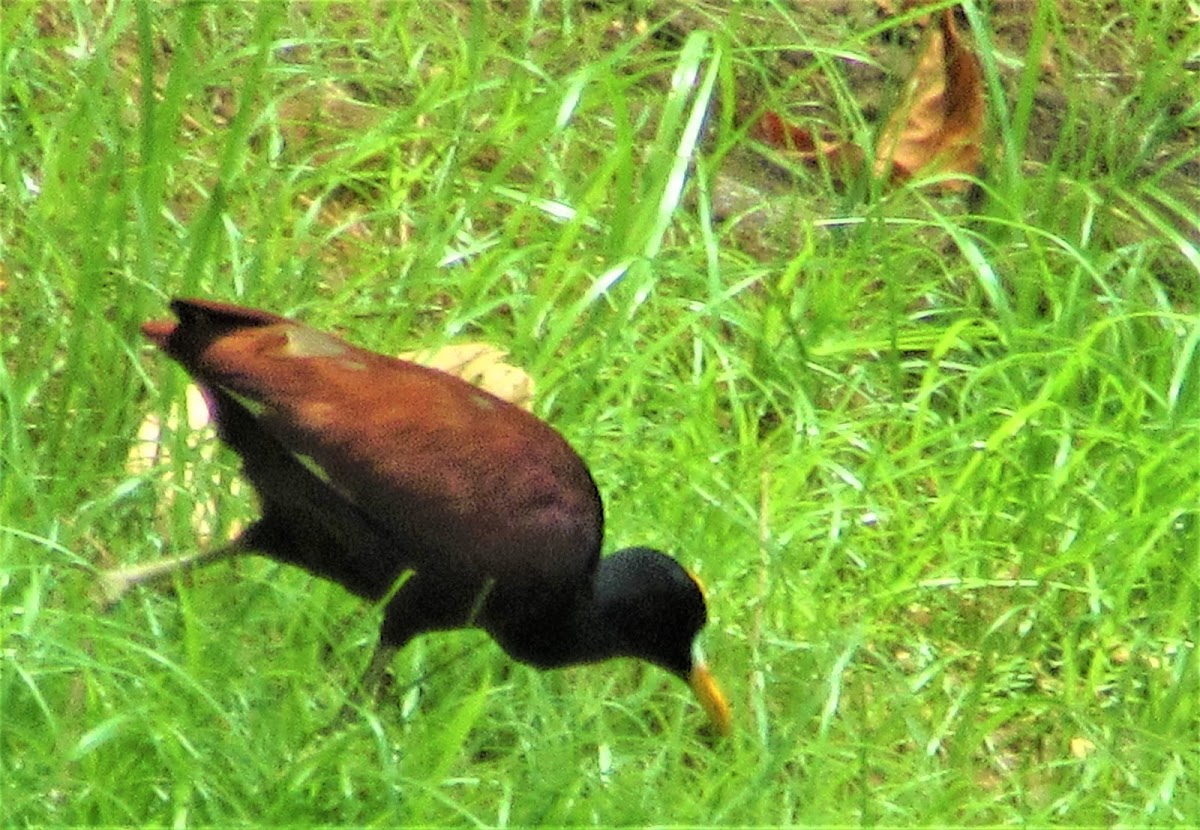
point(370, 468)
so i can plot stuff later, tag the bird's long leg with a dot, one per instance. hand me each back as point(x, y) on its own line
point(372, 679)
point(410, 598)
point(117, 582)
point(367, 690)
point(390, 641)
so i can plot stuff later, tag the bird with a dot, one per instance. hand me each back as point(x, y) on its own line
point(413, 488)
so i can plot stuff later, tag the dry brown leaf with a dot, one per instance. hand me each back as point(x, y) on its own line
point(841, 157)
point(483, 365)
point(939, 126)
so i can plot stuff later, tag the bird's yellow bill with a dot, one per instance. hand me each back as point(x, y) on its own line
point(705, 687)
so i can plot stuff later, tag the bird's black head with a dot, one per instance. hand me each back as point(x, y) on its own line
point(654, 609)
point(653, 606)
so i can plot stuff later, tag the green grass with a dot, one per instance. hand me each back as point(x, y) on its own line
point(939, 466)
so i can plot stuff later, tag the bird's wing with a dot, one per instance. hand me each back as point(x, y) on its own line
point(444, 465)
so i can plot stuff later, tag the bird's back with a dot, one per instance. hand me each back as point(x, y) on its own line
point(451, 478)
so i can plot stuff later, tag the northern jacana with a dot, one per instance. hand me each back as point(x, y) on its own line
point(370, 468)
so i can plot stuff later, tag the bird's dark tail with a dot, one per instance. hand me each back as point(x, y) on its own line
point(200, 323)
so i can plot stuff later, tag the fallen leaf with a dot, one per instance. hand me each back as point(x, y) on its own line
point(842, 158)
point(938, 128)
point(483, 365)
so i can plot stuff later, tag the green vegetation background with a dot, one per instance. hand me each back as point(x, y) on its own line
point(938, 460)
